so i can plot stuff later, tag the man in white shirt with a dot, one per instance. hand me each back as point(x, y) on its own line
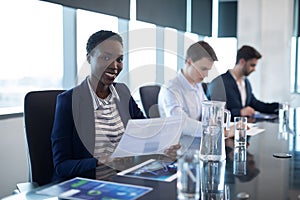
point(183, 94)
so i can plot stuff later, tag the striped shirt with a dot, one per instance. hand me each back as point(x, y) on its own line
point(109, 129)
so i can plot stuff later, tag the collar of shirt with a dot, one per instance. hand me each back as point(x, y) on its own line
point(187, 84)
point(96, 100)
point(242, 79)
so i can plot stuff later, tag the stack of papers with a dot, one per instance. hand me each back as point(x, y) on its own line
point(254, 130)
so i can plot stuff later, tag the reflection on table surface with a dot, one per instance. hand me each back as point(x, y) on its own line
point(266, 177)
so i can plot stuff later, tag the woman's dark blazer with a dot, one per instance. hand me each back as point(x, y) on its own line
point(73, 133)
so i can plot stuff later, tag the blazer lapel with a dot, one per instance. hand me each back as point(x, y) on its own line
point(235, 87)
point(123, 102)
point(248, 92)
point(84, 118)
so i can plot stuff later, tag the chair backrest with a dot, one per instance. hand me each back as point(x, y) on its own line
point(205, 86)
point(39, 110)
point(149, 98)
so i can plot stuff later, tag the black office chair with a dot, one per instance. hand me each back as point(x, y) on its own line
point(39, 110)
point(149, 98)
point(204, 86)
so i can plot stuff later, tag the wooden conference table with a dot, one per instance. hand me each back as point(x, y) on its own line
point(267, 177)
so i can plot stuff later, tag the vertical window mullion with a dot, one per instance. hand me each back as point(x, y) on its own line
point(69, 47)
point(159, 55)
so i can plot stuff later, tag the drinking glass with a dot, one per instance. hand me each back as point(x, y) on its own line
point(212, 180)
point(240, 131)
point(188, 175)
point(283, 117)
point(240, 161)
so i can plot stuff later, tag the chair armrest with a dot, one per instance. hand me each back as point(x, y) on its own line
point(26, 187)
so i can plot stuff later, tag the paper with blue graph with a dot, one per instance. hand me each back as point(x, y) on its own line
point(149, 136)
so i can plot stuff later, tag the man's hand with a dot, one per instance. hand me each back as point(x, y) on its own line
point(229, 133)
point(171, 151)
point(247, 111)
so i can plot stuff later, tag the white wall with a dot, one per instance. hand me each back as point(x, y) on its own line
point(268, 26)
point(13, 168)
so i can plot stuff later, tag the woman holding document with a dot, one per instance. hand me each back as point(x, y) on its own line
point(90, 118)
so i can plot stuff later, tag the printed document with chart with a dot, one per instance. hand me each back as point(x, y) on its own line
point(149, 136)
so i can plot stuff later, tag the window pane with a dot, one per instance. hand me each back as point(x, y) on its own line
point(297, 79)
point(141, 54)
point(225, 49)
point(141, 57)
point(293, 65)
point(170, 53)
point(189, 39)
point(31, 49)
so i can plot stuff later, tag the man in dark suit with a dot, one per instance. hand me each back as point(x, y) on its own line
point(234, 88)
